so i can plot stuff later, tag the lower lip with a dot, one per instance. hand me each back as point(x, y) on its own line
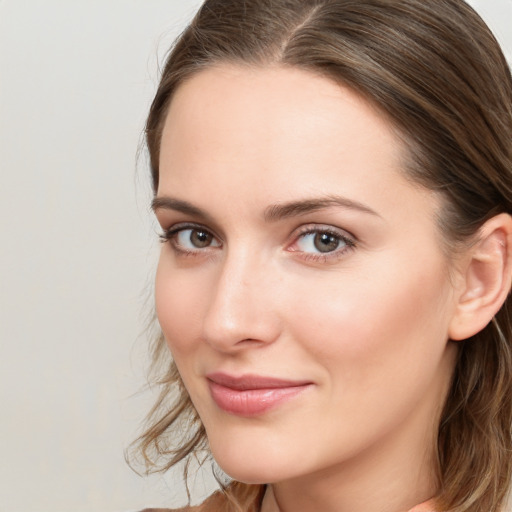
point(252, 402)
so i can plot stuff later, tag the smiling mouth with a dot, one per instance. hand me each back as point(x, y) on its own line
point(252, 395)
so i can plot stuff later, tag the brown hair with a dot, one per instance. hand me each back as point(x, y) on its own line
point(434, 68)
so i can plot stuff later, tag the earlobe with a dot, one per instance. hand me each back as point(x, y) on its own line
point(486, 278)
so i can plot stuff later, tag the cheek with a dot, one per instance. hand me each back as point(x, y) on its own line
point(178, 305)
point(357, 322)
point(378, 345)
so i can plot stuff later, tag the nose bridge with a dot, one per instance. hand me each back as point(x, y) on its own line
point(240, 307)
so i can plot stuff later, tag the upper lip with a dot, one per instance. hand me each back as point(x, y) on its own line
point(250, 381)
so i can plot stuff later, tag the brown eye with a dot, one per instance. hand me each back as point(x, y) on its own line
point(194, 238)
point(200, 238)
point(320, 242)
point(326, 242)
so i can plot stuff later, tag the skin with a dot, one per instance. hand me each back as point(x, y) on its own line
point(367, 324)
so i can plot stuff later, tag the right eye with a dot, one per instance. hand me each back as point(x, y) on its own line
point(190, 239)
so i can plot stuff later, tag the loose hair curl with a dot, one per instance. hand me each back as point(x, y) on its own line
point(435, 69)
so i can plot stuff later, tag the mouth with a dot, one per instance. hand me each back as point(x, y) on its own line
point(252, 395)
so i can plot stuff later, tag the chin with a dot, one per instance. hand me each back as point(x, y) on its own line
point(247, 473)
point(253, 466)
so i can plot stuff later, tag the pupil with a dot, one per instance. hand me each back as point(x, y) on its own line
point(200, 238)
point(325, 242)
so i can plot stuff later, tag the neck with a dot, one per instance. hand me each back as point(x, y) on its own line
point(370, 487)
point(393, 475)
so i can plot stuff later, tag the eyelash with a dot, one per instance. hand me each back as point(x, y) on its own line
point(348, 240)
point(170, 235)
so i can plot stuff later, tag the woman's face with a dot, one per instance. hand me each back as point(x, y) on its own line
point(302, 289)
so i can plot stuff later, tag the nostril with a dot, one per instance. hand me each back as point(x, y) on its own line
point(248, 329)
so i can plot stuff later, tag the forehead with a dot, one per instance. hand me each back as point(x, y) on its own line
point(229, 106)
point(276, 134)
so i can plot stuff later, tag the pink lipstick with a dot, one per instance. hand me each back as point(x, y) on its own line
point(251, 395)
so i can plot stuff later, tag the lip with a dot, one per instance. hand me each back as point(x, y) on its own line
point(252, 395)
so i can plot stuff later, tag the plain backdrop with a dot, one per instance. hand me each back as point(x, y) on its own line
point(78, 246)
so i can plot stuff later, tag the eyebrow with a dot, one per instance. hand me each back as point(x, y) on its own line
point(272, 213)
point(304, 206)
point(170, 203)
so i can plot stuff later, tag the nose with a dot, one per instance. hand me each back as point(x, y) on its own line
point(242, 311)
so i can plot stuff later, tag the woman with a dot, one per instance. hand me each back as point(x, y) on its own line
point(333, 180)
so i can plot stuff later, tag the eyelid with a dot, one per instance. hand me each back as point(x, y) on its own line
point(169, 235)
point(180, 226)
point(346, 237)
point(349, 240)
point(325, 228)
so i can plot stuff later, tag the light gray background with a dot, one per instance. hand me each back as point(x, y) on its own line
point(77, 246)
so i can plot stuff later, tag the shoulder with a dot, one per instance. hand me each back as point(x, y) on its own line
point(198, 508)
point(215, 502)
point(428, 506)
point(204, 507)
point(246, 496)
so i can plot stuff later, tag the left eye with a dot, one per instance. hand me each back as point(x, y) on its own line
point(197, 238)
point(320, 242)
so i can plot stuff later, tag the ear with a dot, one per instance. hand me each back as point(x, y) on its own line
point(486, 278)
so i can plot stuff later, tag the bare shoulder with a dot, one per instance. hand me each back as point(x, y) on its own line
point(162, 510)
point(183, 509)
point(248, 497)
point(215, 503)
